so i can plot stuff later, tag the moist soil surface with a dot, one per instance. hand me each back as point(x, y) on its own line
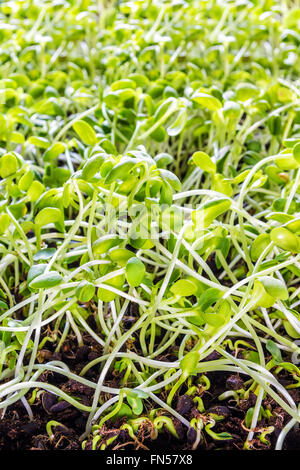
point(18, 432)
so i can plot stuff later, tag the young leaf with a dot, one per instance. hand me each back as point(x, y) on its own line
point(85, 291)
point(85, 132)
point(4, 223)
point(120, 255)
point(120, 170)
point(208, 298)
point(104, 244)
point(189, 363)
point(184, 288)
point(44, 254)
point(259, 245)
point(45, 281)
point(274, 350)
point(35, 271)
point(296, 152)
point(207, 101)
point(47, 216)
point(35, 191)
point(8, 165)
point(205, 215)
point(203, 161)
point(285, 239)
point(135, 271)
point(274, 287)
point(92, 166)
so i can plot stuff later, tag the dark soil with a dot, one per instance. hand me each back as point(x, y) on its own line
point(17, 432)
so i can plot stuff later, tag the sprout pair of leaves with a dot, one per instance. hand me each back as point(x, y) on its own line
point(185, 287)
point(127, 170)
point(104, 244)
point(169, 119)
point(135, 401)
point(19, 179)
point(106, 294)
point(259, 245)
point(170, 107)
point(215, 317)
point(126, 101)
point(218, 242)
point(291, 369)
point(54, 174)
point(122, 365)
point(202, 312)
point(283, 237)
point(135, 269)
point(221, 436)
point(8, 355)
point(206, 100)
point(220, 183)
point(92, 166)
point(134, 272)
point(197, 424)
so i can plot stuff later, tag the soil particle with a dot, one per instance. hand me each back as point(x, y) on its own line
point(184, 404)
point(75, 388)
point(278, 417)
point(246, 404)
point(89, 445)
point(233, 426)
point(48, 400)
point(60, 406)
point(292, 441)
point(82, 353)
point(134, 309)
point(220, 410)
point(56, 356)
point(191, 435)
point(234, 383)
point(180, 429)
point(93, 355)
point(123, 435)
point(128, 322)
point(213, 356)
point(92, 322)
point(29, 428)
point(235, 411)
point(52, 378)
